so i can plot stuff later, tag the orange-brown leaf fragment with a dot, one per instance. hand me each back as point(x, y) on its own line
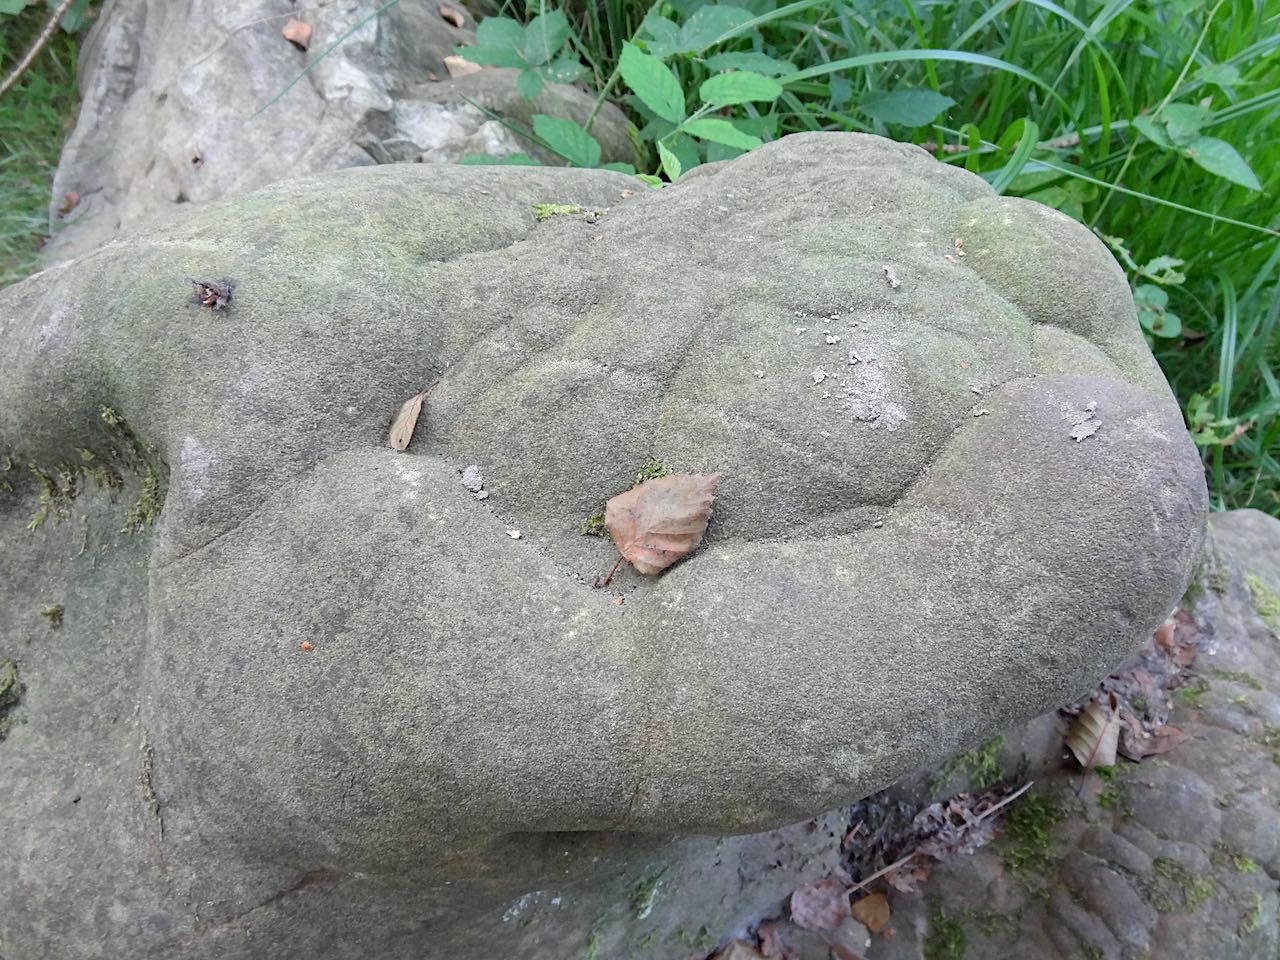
point(453, 15)
point(872, 912)
point(406, 420)
point(297, 33)
point(660, 521)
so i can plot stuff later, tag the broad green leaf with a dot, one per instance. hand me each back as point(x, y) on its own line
point(911, 108)
point(510, 160)
point(499, 32)
point(670, 165)
point(1224, 75)
point(841, 90)
point(618, 167)
point(664, 33)
point(757, 62)
point(568, 139)
point(9, 7)
point(1152, 131)
point(529, 84)
point(492, 56)
point(726, 89)
point(653, 82)
point(707, 24)
point(76, 17)
point(1221, 158)
point(721, 131)
point(1182, 121)
point(686, 151)
point(564, 69)
point(544, 36)
point(718, 151)
point(649, 180)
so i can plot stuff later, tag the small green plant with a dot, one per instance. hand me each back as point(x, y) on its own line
point(53, 613)
point(1192, 695)
point(946, 938)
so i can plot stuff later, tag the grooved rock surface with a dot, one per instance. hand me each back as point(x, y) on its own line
point(175, 108)
point(890, 574)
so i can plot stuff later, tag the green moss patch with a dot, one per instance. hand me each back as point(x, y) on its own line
point(10, 693)
point(1175, 889)
point(1265, 602)
point(946, 939)
point(1028, 843)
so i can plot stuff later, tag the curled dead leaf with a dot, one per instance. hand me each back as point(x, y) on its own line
point(872, 912)
point(1095, 734)
point(656, 523)
point(406, 420)
point(820, 906)
point(453, 15)
point(460, 66)
point(297, 33)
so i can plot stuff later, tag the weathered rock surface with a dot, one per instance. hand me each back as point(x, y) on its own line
point(888, 576)
point(1177, 856)
point(174, 105)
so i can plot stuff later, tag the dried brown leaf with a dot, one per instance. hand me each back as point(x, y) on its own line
point(453, 15)
point(1095, 735)
point(820, 906)
point(460, 66)
point(909, 877)
point(772, 945)
point(663, 519)
point(297, 33)
point(406, 420)
point(738, 950)
point(872, 912)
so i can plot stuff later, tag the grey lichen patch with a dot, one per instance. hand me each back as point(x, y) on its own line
point(10, 694)
point(1265, 602)
point(1175, 889)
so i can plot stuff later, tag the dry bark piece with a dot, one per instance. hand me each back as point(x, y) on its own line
point(216, 295)
point(820, 906)
point(872, 912)
point(1095, 734)
point(460, 66)
point(663, 519)
point(453, 15)
point(297, 33)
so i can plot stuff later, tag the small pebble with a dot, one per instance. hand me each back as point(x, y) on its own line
point(818, 375)
point(830, 338)
point(878, 523)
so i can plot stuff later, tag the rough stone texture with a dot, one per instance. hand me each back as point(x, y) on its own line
point(172, 93)
point(474, 724)
point(1177, 855)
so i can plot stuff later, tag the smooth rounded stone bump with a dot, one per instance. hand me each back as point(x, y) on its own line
point(472, 723)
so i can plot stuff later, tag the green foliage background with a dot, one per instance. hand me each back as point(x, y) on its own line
point(1154, 122)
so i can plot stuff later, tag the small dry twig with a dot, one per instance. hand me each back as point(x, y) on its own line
point(45, 35)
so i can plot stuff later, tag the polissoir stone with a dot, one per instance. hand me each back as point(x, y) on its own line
point(948, 504)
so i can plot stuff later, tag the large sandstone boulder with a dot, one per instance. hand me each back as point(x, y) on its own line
point(175, 105)
point(956, 492)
